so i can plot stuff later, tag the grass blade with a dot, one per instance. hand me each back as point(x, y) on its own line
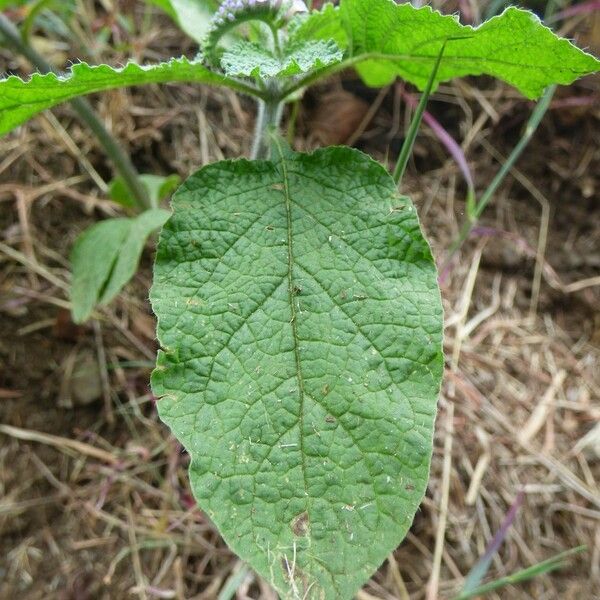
point(409, 141)
point(541, 568)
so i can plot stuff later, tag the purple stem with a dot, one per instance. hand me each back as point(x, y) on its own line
point(445, 138)
point(477, 573)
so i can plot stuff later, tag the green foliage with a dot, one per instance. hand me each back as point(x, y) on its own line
point(254, 60)
point(404, 42)
point(20, 100)
point(105, 257)
point(301, 329)
point(157, 186)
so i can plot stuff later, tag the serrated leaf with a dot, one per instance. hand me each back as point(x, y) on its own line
point(254, 60)
point(105, 257)
point(193, 16)
point(301, 326)
point(157, 186)
point(324, 24)
point(405, 42)
point(20, 100)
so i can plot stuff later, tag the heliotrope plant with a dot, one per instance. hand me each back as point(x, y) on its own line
point(298, 308)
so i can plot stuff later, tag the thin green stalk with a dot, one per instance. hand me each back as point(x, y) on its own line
point(86, 113)
point(352, 61)
point(477, 208)
point(267, 119)
point(411, 135)
point(32, 15)
point(541, 568)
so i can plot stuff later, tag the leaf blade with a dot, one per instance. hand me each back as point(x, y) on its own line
point(254, 300)
point(20, 100)
point(404, 42)
point(130, 251)
point(92, 259)
point(248, 59)
point(105, 257)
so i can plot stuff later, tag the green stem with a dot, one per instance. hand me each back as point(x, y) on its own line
point(86, 113)
point(532, 124)
point(352, 61)
point(411, 135)
point(267, 119)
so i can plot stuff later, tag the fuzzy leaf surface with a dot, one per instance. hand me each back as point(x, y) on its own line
point(300, 323)
point(22, 99)
point(105, 257)
point(254, 60)
point(405, 42)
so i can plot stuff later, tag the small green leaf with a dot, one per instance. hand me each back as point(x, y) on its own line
point(92, 259)
point(105, 257)
point(254, 60)
point(131, 250)
point(301, 327)
point(193, 16)
point(20, 100)
point(158, 187)
point(403, 41)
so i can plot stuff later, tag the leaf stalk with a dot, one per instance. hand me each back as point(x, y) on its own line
point(267, 119)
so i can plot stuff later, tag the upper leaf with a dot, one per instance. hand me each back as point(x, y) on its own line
point(301, 328)
point(254, 60)
point(20, 100)
point(405, 42)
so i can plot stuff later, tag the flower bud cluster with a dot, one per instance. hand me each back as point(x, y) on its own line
point(233, 12)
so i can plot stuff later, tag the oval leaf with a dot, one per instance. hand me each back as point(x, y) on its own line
point(301, 327)
point(106, 256)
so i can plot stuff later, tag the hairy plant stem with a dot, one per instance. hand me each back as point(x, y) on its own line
point(86, 113)
point(267, 119)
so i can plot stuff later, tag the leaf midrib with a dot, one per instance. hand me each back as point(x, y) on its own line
point(293, 324)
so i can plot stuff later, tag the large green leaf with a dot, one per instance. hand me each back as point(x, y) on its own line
point(405, 42)
point(254, 60)
point(20, 100)
point(105, 257)
point(301, 325)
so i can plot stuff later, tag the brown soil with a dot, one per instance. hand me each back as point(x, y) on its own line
point(94, 501)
